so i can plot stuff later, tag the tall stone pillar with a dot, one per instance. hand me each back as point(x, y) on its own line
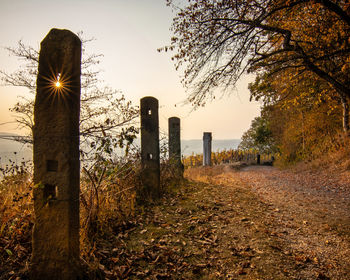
point(150, 164)
point(56, 158)
point(207, 148)
point(175, 145)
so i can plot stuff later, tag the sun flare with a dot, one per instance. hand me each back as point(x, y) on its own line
point(58, 85)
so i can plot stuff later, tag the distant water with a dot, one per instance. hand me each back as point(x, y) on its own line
point(196, 145)
point(11, 150)
point(14, 151)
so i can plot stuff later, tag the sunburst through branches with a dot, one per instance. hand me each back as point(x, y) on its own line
point(57, 85)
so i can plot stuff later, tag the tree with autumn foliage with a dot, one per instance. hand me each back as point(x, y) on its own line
point(304, 122)
point(217, 41)
point(259, 137)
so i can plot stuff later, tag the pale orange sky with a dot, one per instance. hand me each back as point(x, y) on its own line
point(128, 33)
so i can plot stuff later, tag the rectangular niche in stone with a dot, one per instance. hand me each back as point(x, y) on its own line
point(52, 165)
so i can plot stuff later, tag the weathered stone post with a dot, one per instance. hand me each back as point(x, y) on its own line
point(56, 158)
point(175, 145)
point(207, 148)
point(150, 174)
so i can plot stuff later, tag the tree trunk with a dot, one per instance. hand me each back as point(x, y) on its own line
point(303, 131)
point(345, 104)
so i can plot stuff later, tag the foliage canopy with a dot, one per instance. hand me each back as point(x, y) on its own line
point(259, 137)
point(217, 41)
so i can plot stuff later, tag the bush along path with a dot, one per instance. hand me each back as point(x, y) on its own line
point(218, 226)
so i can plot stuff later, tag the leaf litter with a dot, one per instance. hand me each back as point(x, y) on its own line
point(229, 224)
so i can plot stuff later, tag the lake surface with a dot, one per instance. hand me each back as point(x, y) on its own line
point(15, 151)
point(11, 150)
point(196, 145)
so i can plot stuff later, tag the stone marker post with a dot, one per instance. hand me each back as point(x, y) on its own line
point(207, 148)
point(175, 145)
point(56, 158)
point(150, 174)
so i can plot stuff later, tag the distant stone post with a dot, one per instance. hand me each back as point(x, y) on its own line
point(56, 158)
point(207, 148)
point(258, 159)
point(150, 174)
point(175, 145)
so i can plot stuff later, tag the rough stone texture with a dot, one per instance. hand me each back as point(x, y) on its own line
point(150, 175)
point(56, 159)
point(175, 145)
point(206, 148)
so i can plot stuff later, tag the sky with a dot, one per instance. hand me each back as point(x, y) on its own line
point(128, 34)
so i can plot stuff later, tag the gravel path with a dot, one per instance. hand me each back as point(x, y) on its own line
point(317, 193)
point(312, 210)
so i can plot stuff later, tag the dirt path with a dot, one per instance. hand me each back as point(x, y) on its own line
point(313, 214)
point(257, 223)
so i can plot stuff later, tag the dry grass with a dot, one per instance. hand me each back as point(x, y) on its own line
point(108, 198)
point(16, 216)
point(107, 207)
point(203, 174)
point(335, 163)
